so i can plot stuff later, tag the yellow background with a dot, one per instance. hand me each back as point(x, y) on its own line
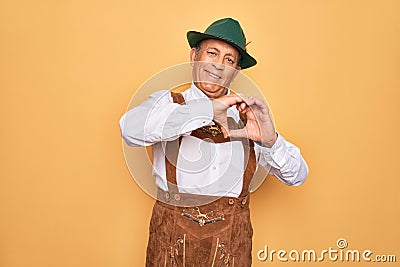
point(329, 69)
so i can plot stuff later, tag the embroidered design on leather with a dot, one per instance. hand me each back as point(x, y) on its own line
point(214, 130)
point(174, 251)
point(224, 256)
point(202, 219)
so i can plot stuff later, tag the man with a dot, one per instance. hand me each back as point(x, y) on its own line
point(207, 143)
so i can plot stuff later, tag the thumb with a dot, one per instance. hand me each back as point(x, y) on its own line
point(224, 130)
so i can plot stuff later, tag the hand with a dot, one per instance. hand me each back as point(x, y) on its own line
point(259, 126)
point(220, 107)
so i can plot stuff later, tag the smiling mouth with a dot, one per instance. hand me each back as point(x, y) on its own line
point(212, 75)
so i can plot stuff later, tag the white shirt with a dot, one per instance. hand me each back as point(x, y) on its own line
point(203, 167)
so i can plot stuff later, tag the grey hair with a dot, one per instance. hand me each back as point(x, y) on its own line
point(197, 47)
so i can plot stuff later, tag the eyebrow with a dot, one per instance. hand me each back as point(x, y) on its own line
point(228, 54)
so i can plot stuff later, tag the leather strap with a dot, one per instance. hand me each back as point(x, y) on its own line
point(171, 159)
point(178, 98)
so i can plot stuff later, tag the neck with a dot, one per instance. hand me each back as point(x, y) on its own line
point(212, 94)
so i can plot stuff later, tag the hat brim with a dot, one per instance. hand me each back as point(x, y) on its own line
point(194, 38)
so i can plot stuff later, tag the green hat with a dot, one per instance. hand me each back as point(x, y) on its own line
point(229, 31)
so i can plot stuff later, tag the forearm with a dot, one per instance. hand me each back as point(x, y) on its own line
point(159, 119)
point(284, 161)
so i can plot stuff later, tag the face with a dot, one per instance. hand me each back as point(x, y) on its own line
point(214, 67)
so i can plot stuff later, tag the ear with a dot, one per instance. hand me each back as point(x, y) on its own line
point(192, 54)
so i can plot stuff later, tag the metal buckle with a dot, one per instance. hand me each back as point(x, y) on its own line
point(202, 219)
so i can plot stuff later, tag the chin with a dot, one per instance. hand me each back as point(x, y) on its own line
point(211, 89)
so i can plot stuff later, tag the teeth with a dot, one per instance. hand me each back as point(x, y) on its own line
point(213, 75)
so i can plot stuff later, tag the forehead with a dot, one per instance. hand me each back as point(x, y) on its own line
point(222, 46)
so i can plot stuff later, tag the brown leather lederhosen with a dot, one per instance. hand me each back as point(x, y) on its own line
point(215, 234)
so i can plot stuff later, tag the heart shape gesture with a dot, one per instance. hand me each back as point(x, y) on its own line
point(259, 126)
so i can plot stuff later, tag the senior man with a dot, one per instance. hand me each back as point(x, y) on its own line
point(207, 142)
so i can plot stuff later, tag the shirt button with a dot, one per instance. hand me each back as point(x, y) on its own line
point(231, 201)
point(244, 201)
point(177, 197)
point(214, 168)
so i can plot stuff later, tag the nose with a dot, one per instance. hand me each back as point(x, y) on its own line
point(218, 65)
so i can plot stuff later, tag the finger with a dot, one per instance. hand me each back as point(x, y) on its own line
point(259, 103)
point(228, 100)
point(250, 114)
point(238, 133)
point(224, 130)
point(263, 106)
point(250, 101)
point(241, 95)
point(241, 107)
point(246, 109)
point(233, 99)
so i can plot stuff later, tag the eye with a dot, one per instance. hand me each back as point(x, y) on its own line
point(211, 53)
point(230, 61)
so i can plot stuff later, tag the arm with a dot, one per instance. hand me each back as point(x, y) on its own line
point(281, 158)
point(159, 119)
point(284, 161)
